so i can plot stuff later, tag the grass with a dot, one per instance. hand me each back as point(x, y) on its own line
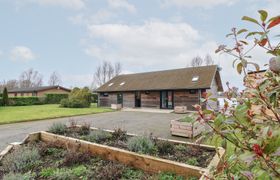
point(14, 114)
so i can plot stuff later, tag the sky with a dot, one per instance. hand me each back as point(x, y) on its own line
point(73, 37)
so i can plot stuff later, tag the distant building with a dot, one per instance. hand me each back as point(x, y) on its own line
point(37, 91)
point(161, 89)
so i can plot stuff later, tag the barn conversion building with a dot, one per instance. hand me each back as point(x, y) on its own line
point(161, 89)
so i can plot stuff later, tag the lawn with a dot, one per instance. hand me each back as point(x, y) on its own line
point(13, 114)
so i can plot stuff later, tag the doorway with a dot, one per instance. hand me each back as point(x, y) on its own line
point(166, 100)
point(120, 98)
point(137, 99)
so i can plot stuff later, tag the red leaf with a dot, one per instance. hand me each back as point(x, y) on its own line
point(274, 23)
point(257, 149)
point(262, 42)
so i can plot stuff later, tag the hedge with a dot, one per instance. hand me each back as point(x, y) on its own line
point(55, 98)
point(25, 101)
point(94, 98)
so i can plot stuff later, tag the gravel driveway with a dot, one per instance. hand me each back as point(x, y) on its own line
point(133, 122)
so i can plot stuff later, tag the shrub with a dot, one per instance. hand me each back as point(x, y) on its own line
point(141, 144)
point(188, 119)
point(85, 129)
point(79, 170)
point(165, 147)
point(17, 176)
point(119, 134)
point(72, 158)
point(21, 159)
point(78, 98)
point(94, 98)
point(192, 161)
point(58, 128)
point(25, 101)
point(5, 97)
point(99, 136)
point(55, 98)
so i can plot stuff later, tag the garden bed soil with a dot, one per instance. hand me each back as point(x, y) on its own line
point(184, 153)
point(50, 161)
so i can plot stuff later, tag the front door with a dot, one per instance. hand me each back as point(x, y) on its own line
point(138, 99)
point(166, 99)
point(119, 98)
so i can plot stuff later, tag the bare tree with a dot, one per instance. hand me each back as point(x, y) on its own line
point(10, 84)
point(105, 72)
point(30, 78)
point(196, 61)
point(208, 60)
point(55, 79)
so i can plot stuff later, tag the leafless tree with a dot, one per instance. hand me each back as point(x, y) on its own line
point(196, 61)
point(30, 78)
point(105, 72)
point(10, 84)
point(55, 79)
point(208, 60)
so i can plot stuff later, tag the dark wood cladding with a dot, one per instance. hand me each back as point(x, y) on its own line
point(150, 99)
point(106, 101)
point(129, 99)
point(185, 98)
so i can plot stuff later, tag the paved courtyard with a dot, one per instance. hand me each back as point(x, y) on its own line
point(133, 122)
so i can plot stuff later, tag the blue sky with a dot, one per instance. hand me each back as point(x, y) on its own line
point(72, 37)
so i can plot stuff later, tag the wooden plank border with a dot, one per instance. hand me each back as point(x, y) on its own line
point(145, 162)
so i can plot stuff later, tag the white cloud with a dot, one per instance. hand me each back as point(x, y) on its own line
point(196, 3)
point(122, 4)
point(71, 4)
point(22, 53)
point(78, 80)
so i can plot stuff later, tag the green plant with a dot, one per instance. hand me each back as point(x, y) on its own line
point(165, 147)
point(141, 144)
point(58, 128)
point(21, 159)
point(187, 119)
point(17, 176)
point(180, 147)
point(5, 97)
point(192, 161)
point(169, 176)
point(79, 170)
point(256, 143)
point(132, 174)
point(55, 98)
point(47, 172)
point(63, 174)
point(99, 136)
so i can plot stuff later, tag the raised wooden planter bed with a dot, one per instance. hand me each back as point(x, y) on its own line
point(186, 129)
point(144, 162)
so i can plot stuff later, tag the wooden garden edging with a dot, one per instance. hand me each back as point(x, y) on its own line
point(141, 161)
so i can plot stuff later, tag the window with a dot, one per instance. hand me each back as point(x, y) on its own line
point(110, 84)
point(192, 91)
point(122, 83)
point(195, 78)
point(104, 94)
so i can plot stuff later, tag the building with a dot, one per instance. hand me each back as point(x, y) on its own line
point(37, 91)
point(161, 89)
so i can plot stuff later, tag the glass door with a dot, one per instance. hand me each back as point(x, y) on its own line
point(119, 98)
point(166, 99)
